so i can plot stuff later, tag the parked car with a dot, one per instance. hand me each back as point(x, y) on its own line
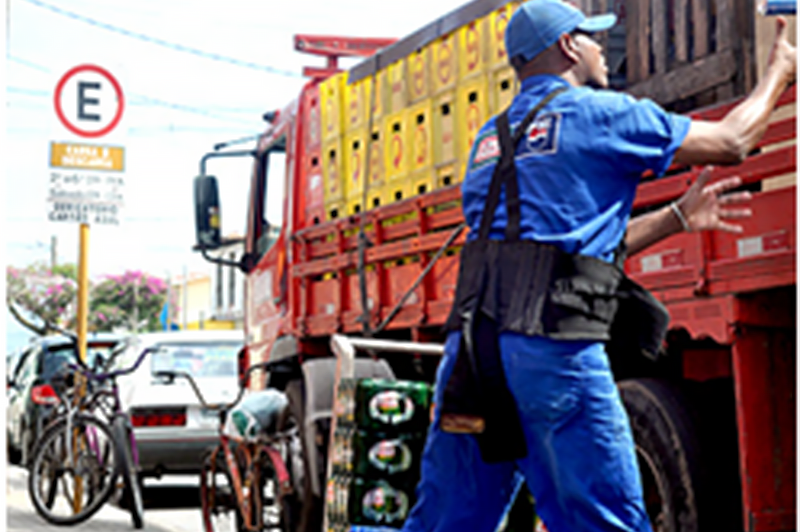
point(173, 431)
point(30, 397)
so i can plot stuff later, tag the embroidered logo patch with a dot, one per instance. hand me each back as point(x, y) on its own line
point(488, 150)
point(542, 135)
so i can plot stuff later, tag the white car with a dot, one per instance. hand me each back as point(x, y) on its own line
point(173, 431)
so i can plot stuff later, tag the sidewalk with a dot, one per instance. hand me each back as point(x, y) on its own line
point(21, 516)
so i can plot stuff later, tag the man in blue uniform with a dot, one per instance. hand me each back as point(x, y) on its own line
point(578, 165)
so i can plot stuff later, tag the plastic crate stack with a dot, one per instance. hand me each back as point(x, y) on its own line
point(378, 441)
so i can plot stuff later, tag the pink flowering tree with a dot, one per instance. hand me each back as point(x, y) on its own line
point(40, 299)
point(45, 301)
point(132, 301)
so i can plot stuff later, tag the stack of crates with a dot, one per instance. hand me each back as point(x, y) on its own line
point(331, 95)
point(503, 84)
point(315, 194)
point(377, 453)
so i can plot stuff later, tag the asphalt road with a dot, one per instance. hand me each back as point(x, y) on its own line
point(170, 506)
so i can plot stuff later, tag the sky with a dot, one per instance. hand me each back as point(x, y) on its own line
point(194, 73)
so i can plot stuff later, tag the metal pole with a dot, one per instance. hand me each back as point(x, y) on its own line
point(83, 315)
point(53, 252)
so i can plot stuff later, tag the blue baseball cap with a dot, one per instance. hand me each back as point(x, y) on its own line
point(537, 25)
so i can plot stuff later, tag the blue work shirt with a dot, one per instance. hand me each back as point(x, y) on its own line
point(578, 166)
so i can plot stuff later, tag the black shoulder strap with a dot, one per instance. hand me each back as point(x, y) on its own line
point(505, 172)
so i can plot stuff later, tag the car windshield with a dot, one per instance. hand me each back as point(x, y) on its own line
point(200, 360)
point(58, 356)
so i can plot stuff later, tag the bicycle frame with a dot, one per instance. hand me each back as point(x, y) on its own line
point(244, 480)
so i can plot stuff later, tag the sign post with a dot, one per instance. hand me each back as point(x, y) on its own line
point(86, 182)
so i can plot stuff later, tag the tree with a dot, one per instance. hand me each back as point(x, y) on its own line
point(45, 301)
point(41, 300)
point(132, 301)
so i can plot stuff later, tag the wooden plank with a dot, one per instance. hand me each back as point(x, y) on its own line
point(637, 45)
point(701, 75)
point(681, 37)
point(726, 18)
point(658, 16)
point(700, 23)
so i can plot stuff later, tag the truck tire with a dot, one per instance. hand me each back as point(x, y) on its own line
point(668, 451)
point(310, 407)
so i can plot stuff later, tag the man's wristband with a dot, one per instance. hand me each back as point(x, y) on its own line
point(681, 217)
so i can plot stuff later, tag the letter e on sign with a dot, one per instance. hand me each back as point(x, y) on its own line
point(89, 101)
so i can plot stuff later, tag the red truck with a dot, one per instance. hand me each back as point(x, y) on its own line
point(366, 244)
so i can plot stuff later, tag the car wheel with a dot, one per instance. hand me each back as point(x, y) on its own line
point(14, 453)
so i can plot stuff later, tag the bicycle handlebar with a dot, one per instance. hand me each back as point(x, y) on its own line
point(171, 374)
point(90, 374)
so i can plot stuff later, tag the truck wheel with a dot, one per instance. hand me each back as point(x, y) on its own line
point(309, 514)
point(668, 451)
point(312, 399)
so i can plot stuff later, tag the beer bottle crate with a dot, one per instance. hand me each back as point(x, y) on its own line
point(396, 98)
point(358, 99)
point(444, 131)
point(378, 502)
point(447, 174)
point(355, 150)
point(472, 49)
point(421, 182)
point(496, 35)
point(472, 112)
point(392, 406)
point(503, 86)
point(380, 455)
point(444, 63)
point(332, 170)
point(395, 146)
point(331, 101)
point(418, 65)
point(419, 132)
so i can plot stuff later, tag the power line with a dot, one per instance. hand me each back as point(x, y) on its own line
point(161, 42)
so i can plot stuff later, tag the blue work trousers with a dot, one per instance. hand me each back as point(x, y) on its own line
point(581, 465)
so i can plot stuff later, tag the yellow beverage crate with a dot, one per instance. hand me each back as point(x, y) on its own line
point(377, 175)
point(354, 105)
point(395, 191)
point(448, 174)
point(331, 101)
point(332, 170)
point(396, 92)
point(357, 99)
point(503, 86)
point(418, 66)
point(444, 131)
point(472, 49)
point(395, 146)
point(473, 111)
point(498, 20)
point(355, 164)
point(379, 101)
point(334, 210)
point(421, 182)
point(444, 62)
point(375, 197)
point(419, 129)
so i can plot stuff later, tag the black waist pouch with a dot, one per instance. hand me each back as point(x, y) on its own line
point(476, 397)
point(640, 324)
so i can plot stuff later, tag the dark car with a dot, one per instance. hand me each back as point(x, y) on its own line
point(30, 394)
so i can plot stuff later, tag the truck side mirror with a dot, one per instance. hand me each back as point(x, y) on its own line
point(206, 212)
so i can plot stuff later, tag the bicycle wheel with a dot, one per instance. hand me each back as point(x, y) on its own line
point(277, 506)
point(217, 498)
point(72, 472)
point(132, 490)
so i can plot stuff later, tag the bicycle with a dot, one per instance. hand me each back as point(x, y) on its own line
point(90, 431)
point(247, 470)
